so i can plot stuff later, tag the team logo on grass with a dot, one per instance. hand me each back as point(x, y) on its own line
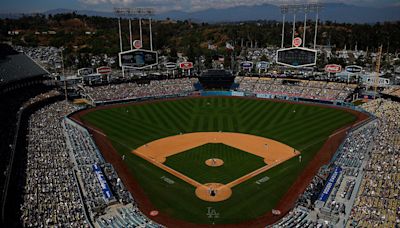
point(212, 213)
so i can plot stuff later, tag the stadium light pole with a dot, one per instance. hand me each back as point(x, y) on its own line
point(294, 24)
point(306, 9)
point(136, 12)
point(284, 10)
point(151, 35)
point(120, 35)
point(140, 30)
point(317, 8)
point(130, 34)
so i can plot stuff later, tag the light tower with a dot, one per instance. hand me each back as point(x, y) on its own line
point(284, 11)
point(131, 13)
point(298, 55)
point(136, 58)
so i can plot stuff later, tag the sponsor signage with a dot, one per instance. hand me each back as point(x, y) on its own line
point(247, 65)
point(266, 96)
point(170, 65)
point(353, 69)
point(137, 44)
point(333, 68)
point(262, 65)
point(103, 183)
point(330, 184)
point(104, 70)
point(297, 42)
point(138, 59)
point(296, 57)
point(237, 94)
point(85, 71)
point(186, 65)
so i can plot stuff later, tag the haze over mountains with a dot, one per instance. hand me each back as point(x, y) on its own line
point(338, 12)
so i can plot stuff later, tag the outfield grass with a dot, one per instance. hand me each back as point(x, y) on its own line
point(303, 127)
point(237, 163)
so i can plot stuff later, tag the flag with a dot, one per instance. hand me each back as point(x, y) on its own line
point(229, 46)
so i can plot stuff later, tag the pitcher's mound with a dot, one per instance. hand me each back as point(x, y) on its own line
point(213, 192)
point(214, 162)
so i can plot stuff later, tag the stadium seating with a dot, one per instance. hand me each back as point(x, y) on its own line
point(134, 90)
point(320, 90)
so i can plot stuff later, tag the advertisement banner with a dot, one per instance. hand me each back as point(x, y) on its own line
point(330, 184)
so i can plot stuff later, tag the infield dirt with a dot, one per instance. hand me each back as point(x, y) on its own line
point(273, 152)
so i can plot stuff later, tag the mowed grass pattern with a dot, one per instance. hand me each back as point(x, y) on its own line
point(237, 163)
point(303, 127)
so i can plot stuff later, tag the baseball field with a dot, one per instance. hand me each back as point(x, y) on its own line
point(293, 134)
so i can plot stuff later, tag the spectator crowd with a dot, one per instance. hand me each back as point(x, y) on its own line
point(48, 57)
point(59, 185)
point(392, 91)
point(321, 90)
point(85, 154)
point(378, 200)
point(10, 106)
point(367, 192)
point(50, 192)
point(134, 90)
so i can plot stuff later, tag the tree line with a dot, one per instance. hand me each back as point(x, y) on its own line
point(190, 38)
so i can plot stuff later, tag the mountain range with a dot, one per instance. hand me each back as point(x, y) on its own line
point(338, 12)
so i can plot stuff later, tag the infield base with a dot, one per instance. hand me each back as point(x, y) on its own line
point(213, 192)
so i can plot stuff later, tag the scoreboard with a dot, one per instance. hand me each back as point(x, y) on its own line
point(296, 57)
point(138, 59)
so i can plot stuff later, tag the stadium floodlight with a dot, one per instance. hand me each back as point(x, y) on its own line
point(137, 12)
point(131, 13)
point(295, 50)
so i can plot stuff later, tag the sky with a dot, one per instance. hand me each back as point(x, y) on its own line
point(38, 6)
